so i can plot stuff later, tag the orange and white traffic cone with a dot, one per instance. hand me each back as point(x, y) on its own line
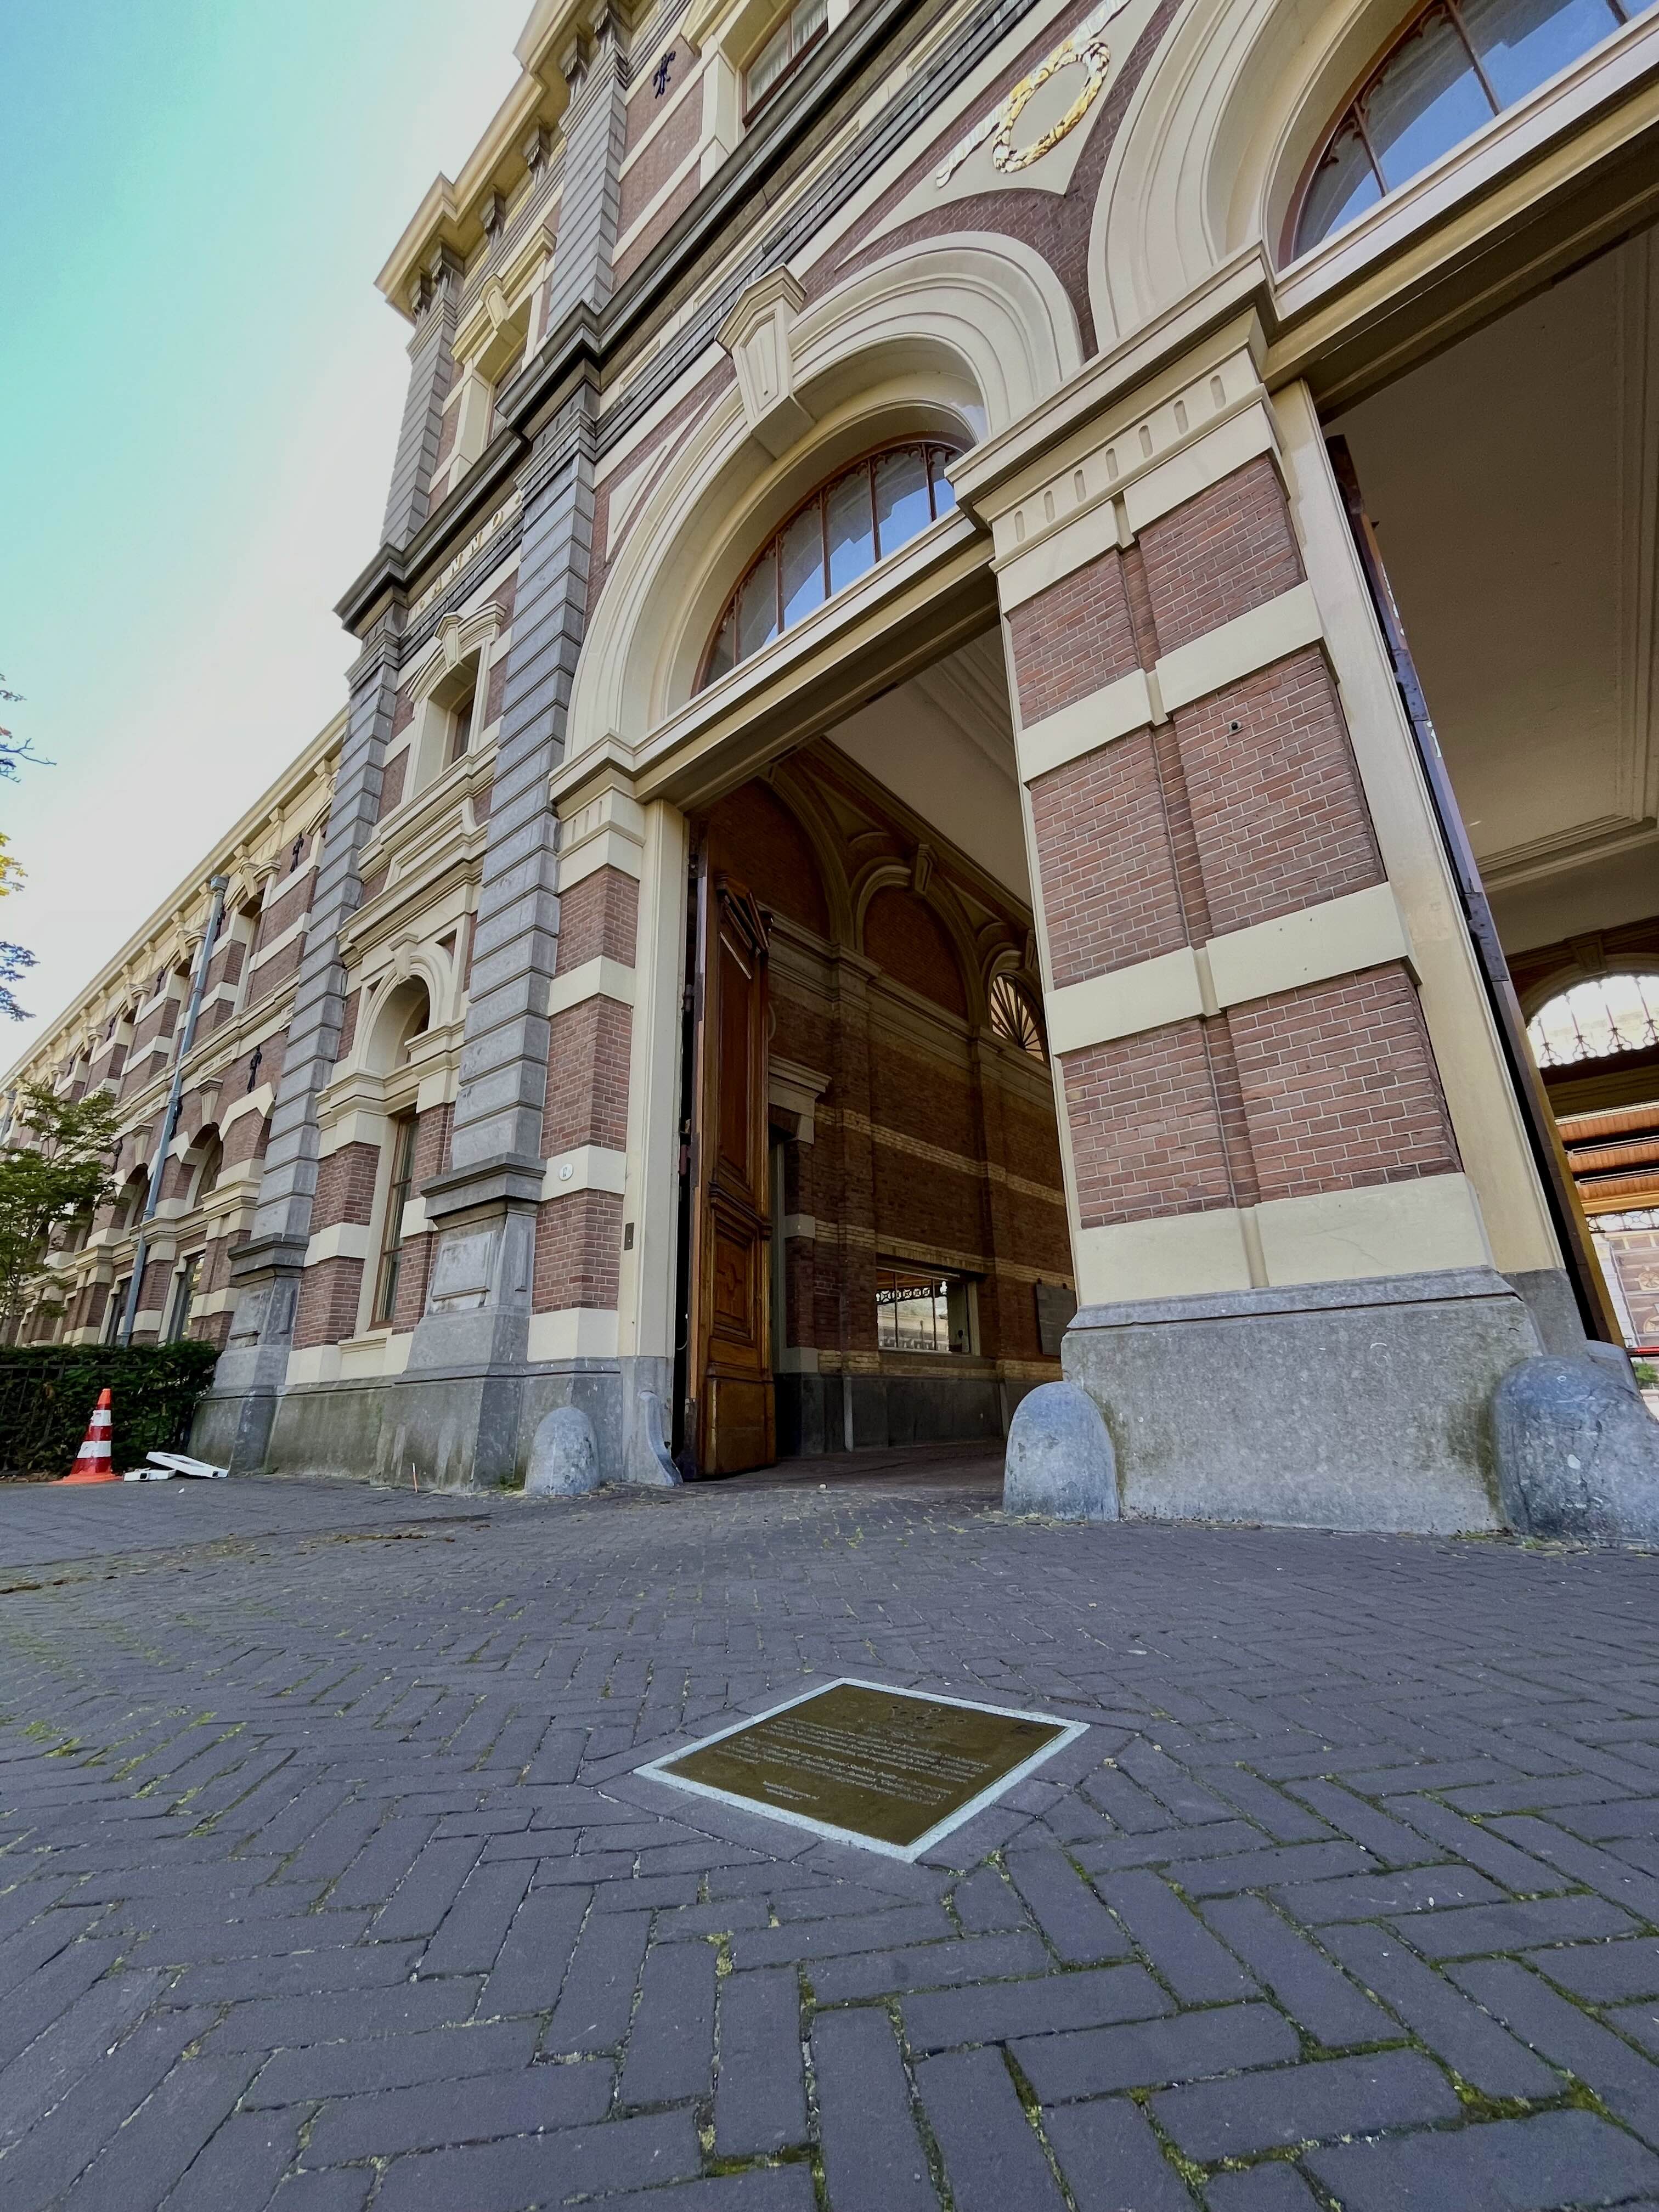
point(92, 1462)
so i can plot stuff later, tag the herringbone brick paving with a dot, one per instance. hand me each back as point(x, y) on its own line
point(325, 1882)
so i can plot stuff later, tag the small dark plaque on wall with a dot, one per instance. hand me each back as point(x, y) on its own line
point(1056, 1303)
point(885, 1768)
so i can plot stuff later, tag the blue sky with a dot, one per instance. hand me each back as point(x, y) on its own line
point(199, 395)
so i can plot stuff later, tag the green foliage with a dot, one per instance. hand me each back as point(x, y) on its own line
point(47, 1393)
point(1647, 1375)
point(54, 1167)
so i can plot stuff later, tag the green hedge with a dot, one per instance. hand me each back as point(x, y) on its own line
point(47, 1393)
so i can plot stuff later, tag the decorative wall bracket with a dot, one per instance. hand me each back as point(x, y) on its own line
point(758, 336)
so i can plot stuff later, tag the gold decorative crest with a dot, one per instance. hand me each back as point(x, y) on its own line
point(1083, 47)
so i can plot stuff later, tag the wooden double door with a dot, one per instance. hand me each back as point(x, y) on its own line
point(730, 1403)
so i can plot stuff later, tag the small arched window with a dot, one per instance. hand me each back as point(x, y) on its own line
point(1594, 1020)
point(830, 540)
point(1014, 1018)
point(1456, 64)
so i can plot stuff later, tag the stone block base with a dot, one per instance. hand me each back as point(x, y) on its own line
point(464, 1429)
point(1347, 1405)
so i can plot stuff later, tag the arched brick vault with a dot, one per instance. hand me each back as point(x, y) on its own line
point(935, 1142)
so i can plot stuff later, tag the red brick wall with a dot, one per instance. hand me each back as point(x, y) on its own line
point(284, 911)
point(598, 918)
point(645, 178)
point(1109, 894)
point(1277, 809)
point(754, 837)
point(1146, 1134)
point(902, 934)
point(1073, 639)
point(1223, 553)
point(658, 227)
point(391, 783)
point(586, 1101)
point(326, 1309)
point(345, 1186)
point(578, 1251)
point(270, 973)
point(1339, 1086)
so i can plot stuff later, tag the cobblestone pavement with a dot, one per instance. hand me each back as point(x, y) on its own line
point(325, 1881)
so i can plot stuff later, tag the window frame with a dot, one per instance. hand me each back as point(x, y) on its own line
point(1348, 110)
point(186, 1277)
point(772, 546)
point(400, 1184)
point(786, 21)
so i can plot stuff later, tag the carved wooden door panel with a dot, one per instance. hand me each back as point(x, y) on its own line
point(731, 1374)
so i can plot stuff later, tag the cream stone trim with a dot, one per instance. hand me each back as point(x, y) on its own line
point(1130, 999)
point(601, 978)
point(1492, 1138)
point(1384, 1228)
point(250, 1102)
point(353, 1123)
point(608, 832)
point(573, 1332)
point(1268, 633)
point(1207, 461)
point(1175, 1255)
point(646, 1273)
point(1338, 937)
point(340, 1240)
point(1084, 726)
point(1081, 538)
point(797, 1090)
point(586, 1167)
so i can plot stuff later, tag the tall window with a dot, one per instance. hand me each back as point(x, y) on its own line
point(1457, 64)
point(392, 1234)
point(115, 1309)
point(802, 27)
point(184, 1297)
point(837, 536)
point(1610, 1014)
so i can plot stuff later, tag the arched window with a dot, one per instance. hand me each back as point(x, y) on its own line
point(1592, 1020)
point(830, 540)
point(1014, 1018)
point(1456, 64)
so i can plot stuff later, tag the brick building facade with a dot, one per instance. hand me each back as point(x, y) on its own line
point(887, 798)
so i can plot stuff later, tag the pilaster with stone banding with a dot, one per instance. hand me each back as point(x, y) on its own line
point(1249, 1090)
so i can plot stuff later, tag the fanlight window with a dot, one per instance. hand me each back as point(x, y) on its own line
point(1614, 1013)
point(856, 520)
point(1014, 1018)
point(1457, 64)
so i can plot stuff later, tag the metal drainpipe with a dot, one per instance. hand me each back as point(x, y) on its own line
point(218, 885)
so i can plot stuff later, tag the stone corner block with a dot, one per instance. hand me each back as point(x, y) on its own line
point(1578, 1452)
point(645, 1459)
point(564, 1456)
point(1059, 1460)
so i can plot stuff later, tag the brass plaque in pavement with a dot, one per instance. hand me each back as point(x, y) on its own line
point(882, 1767)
